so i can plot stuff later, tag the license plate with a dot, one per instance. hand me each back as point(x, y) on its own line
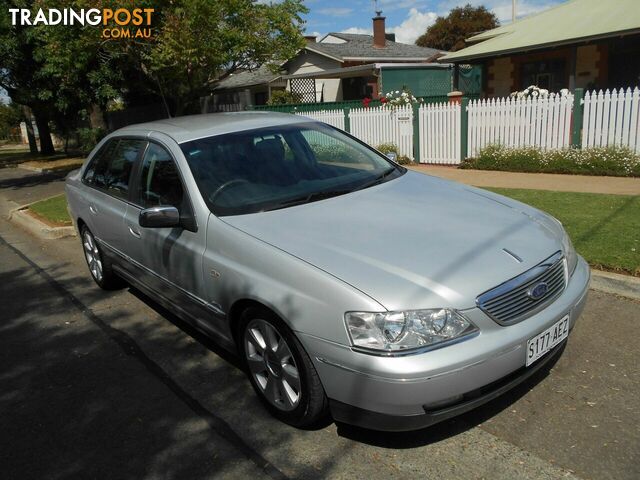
point(545, 341)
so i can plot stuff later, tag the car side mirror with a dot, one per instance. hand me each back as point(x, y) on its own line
point(159, 217)
point(393, 156)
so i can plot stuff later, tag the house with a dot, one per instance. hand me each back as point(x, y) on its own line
point(592, 44)
point(327, 71)
point(244, 88)
point(340, 66)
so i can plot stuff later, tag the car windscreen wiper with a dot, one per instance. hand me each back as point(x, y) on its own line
point(308, 198)
point(379, 179)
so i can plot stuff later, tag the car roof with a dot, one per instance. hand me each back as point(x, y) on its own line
point(192, 127)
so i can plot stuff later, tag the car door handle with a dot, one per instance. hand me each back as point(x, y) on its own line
point(93, 209)
point(134, 232)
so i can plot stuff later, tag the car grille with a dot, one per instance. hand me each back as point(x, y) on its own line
point(515, 300)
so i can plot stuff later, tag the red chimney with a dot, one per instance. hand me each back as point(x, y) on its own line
point(379, 39)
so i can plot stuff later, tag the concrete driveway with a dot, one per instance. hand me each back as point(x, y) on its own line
point(109, 385)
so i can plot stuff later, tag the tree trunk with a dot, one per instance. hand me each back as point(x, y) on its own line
point(31, 136)
point(42, 122)
point(96, 117)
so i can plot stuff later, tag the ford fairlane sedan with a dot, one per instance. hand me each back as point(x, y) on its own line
point(349, 285)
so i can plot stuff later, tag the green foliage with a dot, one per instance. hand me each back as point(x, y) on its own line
point(387, 148)
point(284, 97)
point(613, 161)
point(392, 148)
point(201, 41)
point(89, 138)
point(449, 33)
point(605, 229)
point(63, 72)
point(336, 153)
point(10, 118)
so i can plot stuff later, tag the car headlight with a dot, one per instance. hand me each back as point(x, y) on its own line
point(401, 331)
point(567, 247)
point(569, 253)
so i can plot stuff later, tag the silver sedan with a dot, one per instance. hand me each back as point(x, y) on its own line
point(349, 285)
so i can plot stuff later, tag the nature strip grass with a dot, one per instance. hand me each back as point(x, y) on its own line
point(605, 229)
point(52, 209)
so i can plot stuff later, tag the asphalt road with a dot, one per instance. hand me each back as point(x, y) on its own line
point(100, 384)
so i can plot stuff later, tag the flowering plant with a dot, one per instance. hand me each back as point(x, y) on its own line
point(398, 98)
point(532, 91)
point(365, 102)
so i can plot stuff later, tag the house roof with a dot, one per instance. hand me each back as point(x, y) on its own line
point(246, 78)
point(567, 23)
point(360, 47)
point(366, 69)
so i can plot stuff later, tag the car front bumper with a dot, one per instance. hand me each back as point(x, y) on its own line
point(414, 391)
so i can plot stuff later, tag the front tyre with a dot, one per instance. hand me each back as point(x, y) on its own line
point(280, 370)
point(99, 267)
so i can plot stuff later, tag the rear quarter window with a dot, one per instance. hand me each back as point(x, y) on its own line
point(110, 170)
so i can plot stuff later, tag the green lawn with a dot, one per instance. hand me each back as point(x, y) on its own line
point(605, 229)
point(53, 209)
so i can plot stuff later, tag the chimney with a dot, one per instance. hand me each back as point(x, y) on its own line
point(379, 39)
point(310, 38)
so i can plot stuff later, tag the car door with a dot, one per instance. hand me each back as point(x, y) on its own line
point(170, 259)
point(108, 177)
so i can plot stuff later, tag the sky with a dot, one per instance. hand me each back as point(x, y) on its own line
point(408, 19)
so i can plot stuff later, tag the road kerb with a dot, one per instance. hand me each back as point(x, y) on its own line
point(615, 283)
point(21, 217)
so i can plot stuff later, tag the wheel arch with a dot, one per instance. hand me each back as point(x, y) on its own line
point(240, 306)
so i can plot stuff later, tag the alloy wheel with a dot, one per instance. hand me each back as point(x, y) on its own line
point(272, 365)
point(92, 255)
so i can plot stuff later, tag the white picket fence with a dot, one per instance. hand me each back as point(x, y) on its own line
point(609, 118)
point(384, 125)
point(543, 122)
point(332, 117)
point(612, 118)
point(439, 128)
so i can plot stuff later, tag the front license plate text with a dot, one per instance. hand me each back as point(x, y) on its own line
point(545, 341)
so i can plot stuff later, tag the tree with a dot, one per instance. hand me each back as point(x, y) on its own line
point(21, 74)
point(450, 32)
point(10, 118)
point(203, 41)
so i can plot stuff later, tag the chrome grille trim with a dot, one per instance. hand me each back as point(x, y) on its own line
point(509, 302)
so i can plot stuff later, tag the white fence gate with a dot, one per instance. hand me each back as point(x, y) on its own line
point(439, 127)
point(384, 125)
point(542, 122)
point(612, 118)
point(332, 117)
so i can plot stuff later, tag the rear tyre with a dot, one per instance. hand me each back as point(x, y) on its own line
point(99, 267)
point(280, 370)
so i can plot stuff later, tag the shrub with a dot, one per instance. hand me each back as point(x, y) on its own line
point(613, 161)
point(392, 148)
point(333, 153)
point(283, 97)
point(387, 148)
point(89, 138)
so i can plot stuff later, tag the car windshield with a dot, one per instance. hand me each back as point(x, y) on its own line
point(282, 166)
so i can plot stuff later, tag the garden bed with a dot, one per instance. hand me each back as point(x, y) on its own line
point(610, 161)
